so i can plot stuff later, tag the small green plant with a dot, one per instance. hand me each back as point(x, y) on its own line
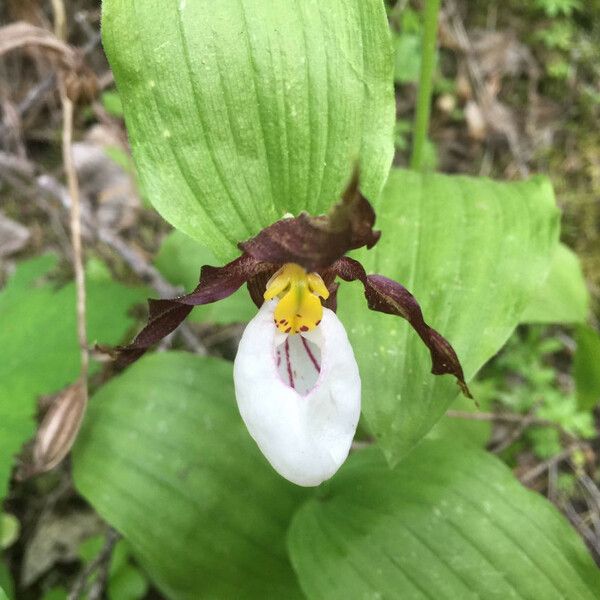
point(528, 379)
point(555, 8)
point(557, 36)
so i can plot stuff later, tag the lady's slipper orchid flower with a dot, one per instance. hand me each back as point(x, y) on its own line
point(296, 379)
point(299, 394)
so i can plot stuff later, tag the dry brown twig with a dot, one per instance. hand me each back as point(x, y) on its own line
point(517, 419)
point(528, 420)
point(494, 113)
point(49, 187)
point(522, 422)
point(582, 527)
point(99, 565)
point(38, 92)
point(21, 35)
point(60, 19)
point(586, 521)
point(75, 222)
point(542, 467)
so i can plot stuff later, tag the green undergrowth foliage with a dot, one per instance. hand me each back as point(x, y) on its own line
point(39, 354)
point(526, 379)
point(239, 113)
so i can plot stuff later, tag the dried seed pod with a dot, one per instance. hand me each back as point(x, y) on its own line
point(59, 428)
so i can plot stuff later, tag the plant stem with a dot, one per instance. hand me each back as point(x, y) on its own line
point(60, 28)
point(432, 8)
point(60, 19)
point(75, 222)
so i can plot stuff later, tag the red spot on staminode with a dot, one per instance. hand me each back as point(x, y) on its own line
point(317, 323)
point(304, 328)
point(288, 330)
point(299, 316)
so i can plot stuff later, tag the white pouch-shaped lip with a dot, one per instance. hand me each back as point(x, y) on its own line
point(298, 395)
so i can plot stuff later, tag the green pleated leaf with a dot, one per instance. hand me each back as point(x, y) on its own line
point(564, 297)
point(3, 596)
point(180, 259)
point(448, 523)
point(239, 112)
point(164, 457)
point(39, 352)
point(472, 251)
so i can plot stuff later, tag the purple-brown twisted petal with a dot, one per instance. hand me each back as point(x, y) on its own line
point(317, 242)
point(388, 296)
point(164, 316)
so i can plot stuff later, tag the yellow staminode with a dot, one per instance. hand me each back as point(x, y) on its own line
point(299, 308)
